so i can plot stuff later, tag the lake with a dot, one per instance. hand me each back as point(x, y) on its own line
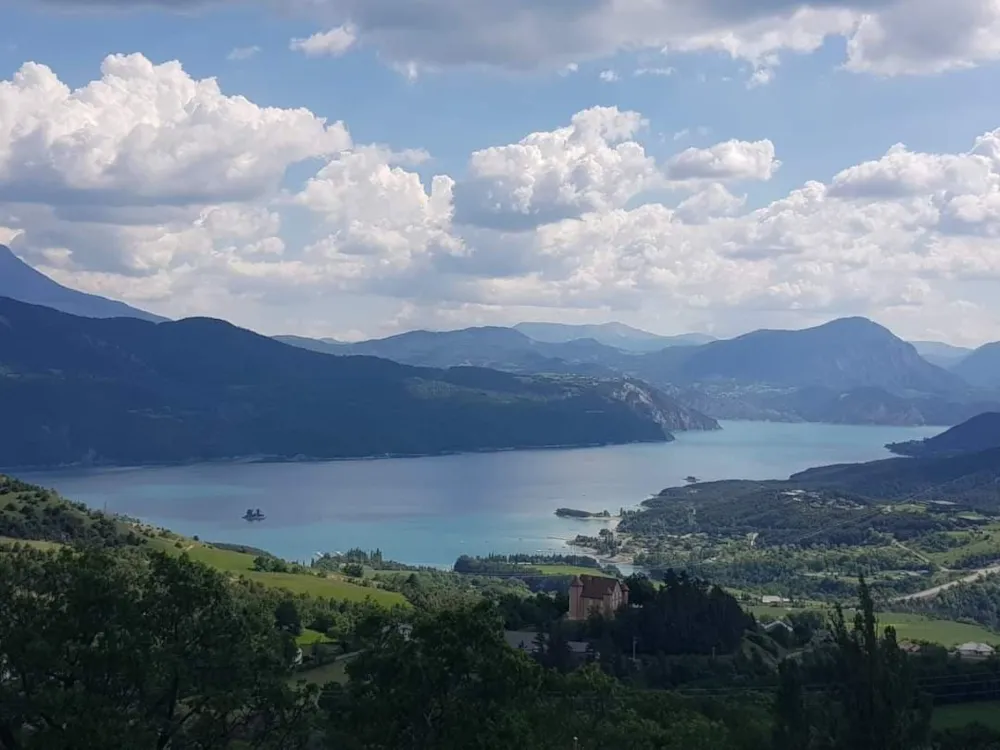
point(429, 511)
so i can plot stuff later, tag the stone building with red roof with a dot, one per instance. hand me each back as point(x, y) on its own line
point(596, 594)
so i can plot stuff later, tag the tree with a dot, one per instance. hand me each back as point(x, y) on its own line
point(105, 649)
point(354, 570)
point(556, 652)
point(287, 617)
point(791, 729)
point(640, 589)
point(873, 702)
point(452, 683)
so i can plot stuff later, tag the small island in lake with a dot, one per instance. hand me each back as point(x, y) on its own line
point(573, 513)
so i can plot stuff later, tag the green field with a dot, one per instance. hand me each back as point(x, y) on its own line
point(963, 714)
point(240, 563)
point(565, 570)
point(985, 543)
point(908, 626)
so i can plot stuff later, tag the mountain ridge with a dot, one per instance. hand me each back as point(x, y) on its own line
point(982, 366)
point(19, 281)
point(847, 371)
point(842, 354)
point(615, 334)
point(122, 391)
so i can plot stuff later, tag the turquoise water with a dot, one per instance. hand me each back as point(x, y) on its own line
point(431, 510)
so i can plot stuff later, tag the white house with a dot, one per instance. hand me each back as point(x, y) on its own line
point(975, 651)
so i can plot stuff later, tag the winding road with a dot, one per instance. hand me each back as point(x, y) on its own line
point(928, 593)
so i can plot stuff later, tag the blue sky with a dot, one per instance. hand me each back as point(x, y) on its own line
point(341, 235)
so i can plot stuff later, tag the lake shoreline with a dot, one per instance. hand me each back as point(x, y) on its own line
point(432, 511)
point(252, 460)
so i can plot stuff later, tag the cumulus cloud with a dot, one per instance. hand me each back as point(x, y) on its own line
point(379, 217)
point(146, 134)
point(562, 220)
point(886, 37)
point(593, 164)
point(731, 160)
point(715, 201)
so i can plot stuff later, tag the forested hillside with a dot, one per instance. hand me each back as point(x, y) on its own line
point(981, 432)
point(125, 391)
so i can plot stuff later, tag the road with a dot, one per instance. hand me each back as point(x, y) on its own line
point(928, 593)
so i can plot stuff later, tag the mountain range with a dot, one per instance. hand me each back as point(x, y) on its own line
point(617, 335)
point(850, 370)
point(125, 391)
point(21, 282)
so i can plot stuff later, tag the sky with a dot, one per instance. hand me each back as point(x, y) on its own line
point(356, 168)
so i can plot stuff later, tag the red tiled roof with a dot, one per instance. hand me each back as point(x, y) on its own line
point(595, 587)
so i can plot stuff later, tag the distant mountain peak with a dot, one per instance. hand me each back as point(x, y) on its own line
point(855, 325)
point(982, 367)
point(842, 354)
point(20, 282)
point(619, 335)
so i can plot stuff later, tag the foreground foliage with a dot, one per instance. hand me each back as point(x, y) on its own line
point(101, 650)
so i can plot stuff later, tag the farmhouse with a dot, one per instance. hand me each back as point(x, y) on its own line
point(975, 651)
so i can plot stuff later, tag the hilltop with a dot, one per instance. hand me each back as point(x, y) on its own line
point(841, 355)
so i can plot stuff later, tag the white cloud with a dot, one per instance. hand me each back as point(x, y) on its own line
point(926, 36)
point(146, 134)
point(379, 217)
point(243, 53)
point(887, 37)
point(593, 164)
point(715, 201)
point(608, 76)
point(554, 221)
point(731, 160)
point(332, 43)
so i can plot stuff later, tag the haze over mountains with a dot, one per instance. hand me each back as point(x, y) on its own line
point(941, 354)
